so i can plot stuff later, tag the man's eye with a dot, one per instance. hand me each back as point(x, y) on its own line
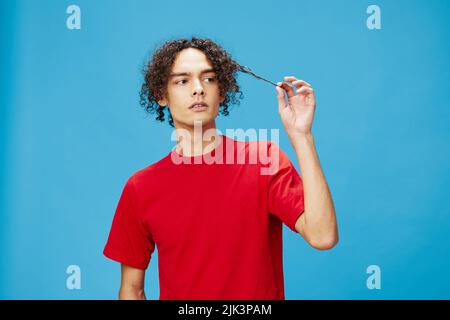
point(210, 79)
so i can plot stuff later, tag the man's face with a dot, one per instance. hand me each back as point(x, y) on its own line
point(192, 80)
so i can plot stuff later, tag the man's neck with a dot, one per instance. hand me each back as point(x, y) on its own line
point(197, 139)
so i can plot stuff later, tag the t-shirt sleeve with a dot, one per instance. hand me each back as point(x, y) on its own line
point(285, 187)
point(129, 242)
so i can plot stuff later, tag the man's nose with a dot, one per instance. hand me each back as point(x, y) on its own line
point(198, 89)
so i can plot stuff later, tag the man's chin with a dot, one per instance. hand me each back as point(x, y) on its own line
point(201, 118)
point(198, 121)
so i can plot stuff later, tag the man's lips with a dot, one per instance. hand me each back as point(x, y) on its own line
point(198, 104)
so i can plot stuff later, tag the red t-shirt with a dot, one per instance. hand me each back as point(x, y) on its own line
point(217, 227)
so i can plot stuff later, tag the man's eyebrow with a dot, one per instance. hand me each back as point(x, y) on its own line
point(188, 73)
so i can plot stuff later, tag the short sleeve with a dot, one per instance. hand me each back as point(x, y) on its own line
point(129, 242)
point(285, 188)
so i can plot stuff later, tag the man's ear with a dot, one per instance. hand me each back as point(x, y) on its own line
point(162, 102)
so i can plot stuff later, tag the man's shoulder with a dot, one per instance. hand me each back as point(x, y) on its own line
point(149, 171)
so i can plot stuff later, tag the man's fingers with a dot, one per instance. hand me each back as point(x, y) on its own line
point(298, 87)
point(281, 99)
point(304, 89)
point(300, 83)
point(289, 90)
point(296, 82)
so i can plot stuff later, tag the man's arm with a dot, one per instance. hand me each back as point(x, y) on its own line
point(318, 223)
point(132, 283)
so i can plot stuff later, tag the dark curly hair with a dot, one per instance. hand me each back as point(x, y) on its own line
point(157, 70)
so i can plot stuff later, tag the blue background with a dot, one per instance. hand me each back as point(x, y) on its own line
point(72, 132)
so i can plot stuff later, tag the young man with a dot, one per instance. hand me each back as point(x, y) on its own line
point(217, 225)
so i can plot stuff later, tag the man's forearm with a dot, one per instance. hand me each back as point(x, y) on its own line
point(319, 217)
point(131, 294)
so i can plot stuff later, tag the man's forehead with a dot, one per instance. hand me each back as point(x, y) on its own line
point(189, 70)
point(191, 61)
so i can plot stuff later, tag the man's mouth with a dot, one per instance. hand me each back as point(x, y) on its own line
point(198, 105)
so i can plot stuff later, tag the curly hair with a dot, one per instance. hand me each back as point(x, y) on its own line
point(157, 70)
